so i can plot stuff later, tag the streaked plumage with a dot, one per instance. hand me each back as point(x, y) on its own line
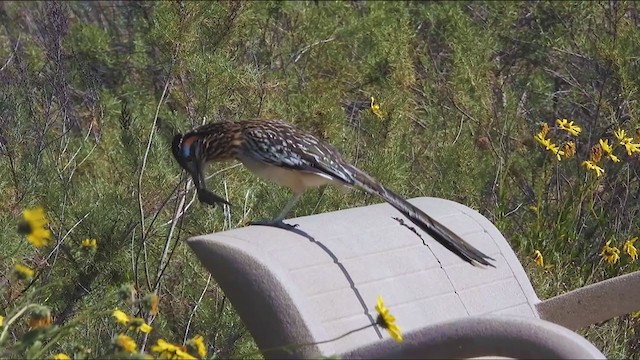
point(288, 156)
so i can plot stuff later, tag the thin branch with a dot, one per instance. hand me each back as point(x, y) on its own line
point(309, 47)
point(459, 131)
point(195, 308)
point(67, 234)
point(164, 259)
point(134, 262)
point(146, 155)
point(15, 48)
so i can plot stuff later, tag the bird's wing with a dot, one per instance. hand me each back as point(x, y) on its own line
point(283, 145)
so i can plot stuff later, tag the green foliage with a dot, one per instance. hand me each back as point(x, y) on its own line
point(92, 94)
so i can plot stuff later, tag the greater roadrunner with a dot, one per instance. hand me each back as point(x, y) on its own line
point(288, 156)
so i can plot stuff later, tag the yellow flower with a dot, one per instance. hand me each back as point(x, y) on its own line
point(537, 257)
point(89, 244)
point(1, 320)
point(548, 145)
point(556, 150)
point(23, 272)
point(631, 250)
point(387, 321)
point(121, 317)
point(620, 134)
point(375, 108)
point(139, 325)
point(630, 146)
point(628, 143)
point(569, 149)
point(196, 346)
point(61, 356)
point(35, 216)
point(604, 145)
point(163, 346)
point(39, 237)
point(150, 302)
point(540, 138)
point(125, 343)
point(610, 253)
point(569, 127)
point(165, 349)
point(635, 315)
point(33, 226)
point(40, 317)
point(590, 165)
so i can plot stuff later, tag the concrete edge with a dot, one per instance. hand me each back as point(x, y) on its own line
point(512, 337)
point(593, 303)
point(273, 318)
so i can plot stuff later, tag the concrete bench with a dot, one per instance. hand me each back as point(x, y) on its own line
point(321, 281)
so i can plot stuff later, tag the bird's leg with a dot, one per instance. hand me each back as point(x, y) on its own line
point(290, 204)
point(278, 221)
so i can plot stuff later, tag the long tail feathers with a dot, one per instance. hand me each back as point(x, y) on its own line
point(439, 232)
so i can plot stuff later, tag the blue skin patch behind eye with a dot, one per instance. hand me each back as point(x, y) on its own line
point(185, 150)
point(186, 146)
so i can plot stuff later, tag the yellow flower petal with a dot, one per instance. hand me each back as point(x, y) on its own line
point(162, 346)
point(196, 346)
point(604, 144)
point(35, 216)
point(620, 134)
point(631, 147)
point(610, 253)
point(125, 343)
point(33, 226)
point(540, 138)
point(121, 317)
point(375, 108)
point(140, 325)
point(630, 249)
point(165, 349)
point(145, 328)
point(537, 257)
point(39, 237)
point(590, 165)
point(387, 321)
point(568, 126)
point(23, 272)
point(89, 244)
point(395, 333)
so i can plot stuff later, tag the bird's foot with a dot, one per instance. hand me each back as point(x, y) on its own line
point(274, 223)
